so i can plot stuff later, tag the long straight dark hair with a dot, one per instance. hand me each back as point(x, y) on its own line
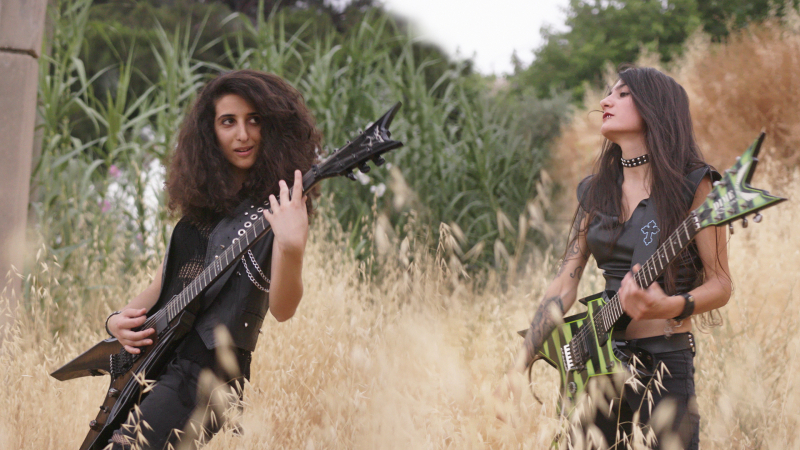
point(669, 136)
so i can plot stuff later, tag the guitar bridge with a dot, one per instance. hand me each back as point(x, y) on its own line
point(121, 363)
point(566, 356)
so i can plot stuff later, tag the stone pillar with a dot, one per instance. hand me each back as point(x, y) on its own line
point(21, 29)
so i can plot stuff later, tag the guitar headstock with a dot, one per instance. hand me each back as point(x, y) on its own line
point(732, 197)
point(367, 146)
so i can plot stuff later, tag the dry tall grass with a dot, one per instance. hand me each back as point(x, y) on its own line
point(735, 89)
point(409, 359)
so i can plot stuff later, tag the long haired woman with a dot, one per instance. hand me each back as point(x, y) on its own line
point(247, 135)
point(649, 175)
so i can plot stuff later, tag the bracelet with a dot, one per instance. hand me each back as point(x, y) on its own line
point(688, 306)
point(109, 317)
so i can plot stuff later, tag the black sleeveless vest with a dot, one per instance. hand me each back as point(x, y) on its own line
point(616, 250)
point(233, 300)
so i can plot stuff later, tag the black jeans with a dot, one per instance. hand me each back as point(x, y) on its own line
point(678, 388)
point(171, 404)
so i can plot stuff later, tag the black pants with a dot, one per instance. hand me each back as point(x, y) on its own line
point(678, 388)
point(169, 407)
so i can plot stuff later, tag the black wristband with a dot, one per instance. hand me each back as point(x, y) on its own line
point(109, 316)
point(688, 306)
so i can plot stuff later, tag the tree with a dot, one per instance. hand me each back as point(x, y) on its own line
point(718, 16)
point(603, 31)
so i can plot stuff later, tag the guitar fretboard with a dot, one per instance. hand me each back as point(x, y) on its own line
point(607, 315)
point(222, 262)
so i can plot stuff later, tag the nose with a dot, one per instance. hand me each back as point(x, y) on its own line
point(241, 132)
point(606, 102)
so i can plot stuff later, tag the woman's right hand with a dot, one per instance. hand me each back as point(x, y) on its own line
point(121, 326)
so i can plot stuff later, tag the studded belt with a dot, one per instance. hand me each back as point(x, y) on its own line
point(661, 344)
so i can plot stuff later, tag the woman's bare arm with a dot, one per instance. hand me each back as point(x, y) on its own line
point(289, 222)
point(558, 298)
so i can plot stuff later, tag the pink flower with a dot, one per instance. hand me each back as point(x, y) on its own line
point(113, 171)
point(106, 206)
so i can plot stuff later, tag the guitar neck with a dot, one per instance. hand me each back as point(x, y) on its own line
point(653, 268)
point(225, 260)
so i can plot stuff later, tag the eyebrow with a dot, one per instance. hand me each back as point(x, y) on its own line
point(234, 115)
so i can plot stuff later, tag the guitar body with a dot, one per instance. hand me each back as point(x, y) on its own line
point(602, 360)
point(126, 388)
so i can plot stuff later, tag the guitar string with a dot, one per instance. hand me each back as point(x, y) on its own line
point(614, 302)
point(176, 305)
point(648, 268)
point(182, 299)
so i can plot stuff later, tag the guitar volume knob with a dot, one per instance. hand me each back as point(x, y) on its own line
point(113, 393)
point(757, 218)
point(95, 425)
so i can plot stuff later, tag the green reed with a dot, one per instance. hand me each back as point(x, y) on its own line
point(98, 180)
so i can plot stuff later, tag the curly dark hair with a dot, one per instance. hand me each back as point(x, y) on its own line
point(200, 182)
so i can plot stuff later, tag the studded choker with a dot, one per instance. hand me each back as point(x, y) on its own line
point(633, 162)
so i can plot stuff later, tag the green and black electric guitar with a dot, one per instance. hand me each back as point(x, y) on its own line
point(581, 348)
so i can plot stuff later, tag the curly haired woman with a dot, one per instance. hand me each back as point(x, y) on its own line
point(247, 134)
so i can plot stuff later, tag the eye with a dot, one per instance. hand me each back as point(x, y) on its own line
point(255, 120)
point(624, 94)
point(227, 121)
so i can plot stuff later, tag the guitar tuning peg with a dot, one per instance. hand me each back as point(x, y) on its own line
point(738, 158)
point(717, 183)
point(379, 161)
point(360, 131)
point(351, 175)
point(388, 133)
point(744, 222)
point(730, 227)
point(363, 167)
point(757, 218)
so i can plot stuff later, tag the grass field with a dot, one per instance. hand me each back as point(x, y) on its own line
point(403, 350)
point(409, 358)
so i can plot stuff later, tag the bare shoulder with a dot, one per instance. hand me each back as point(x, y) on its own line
point(703, 189)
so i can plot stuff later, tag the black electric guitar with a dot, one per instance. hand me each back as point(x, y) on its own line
point(176, 317)
point(581, 348)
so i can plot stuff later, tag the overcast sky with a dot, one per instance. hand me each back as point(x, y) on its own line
point(490, 31)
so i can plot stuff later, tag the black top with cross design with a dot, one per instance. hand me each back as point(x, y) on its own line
point(614, 244)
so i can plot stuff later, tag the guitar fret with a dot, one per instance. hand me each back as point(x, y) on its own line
point(686, 228)
point(672, 245)
point(221, 262)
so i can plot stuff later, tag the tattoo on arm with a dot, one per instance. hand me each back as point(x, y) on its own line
point(543, 324)
point(572, 251)
point(574, 248)
point(577, 272)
